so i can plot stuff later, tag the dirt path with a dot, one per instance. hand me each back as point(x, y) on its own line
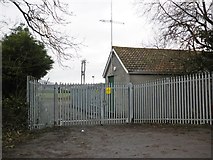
point(118, 141)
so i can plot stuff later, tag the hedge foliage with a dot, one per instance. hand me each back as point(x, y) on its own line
point(15, 113)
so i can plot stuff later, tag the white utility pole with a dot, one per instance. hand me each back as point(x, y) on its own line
point(83, 69)
point(93, 79)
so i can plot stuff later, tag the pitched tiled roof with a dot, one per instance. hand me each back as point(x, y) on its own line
point(152, 61)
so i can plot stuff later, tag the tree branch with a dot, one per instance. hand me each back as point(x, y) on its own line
point(41, 18)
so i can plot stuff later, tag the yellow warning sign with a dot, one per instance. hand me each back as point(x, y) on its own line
point(108, 90)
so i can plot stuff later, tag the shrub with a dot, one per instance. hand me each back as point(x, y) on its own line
point(14, 113)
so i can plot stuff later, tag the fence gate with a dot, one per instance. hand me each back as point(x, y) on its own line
point(75, 104)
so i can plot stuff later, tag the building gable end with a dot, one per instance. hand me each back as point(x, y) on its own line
point(109, 61)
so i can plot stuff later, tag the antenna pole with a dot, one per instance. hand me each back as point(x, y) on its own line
point(111, 25)
point(111, 21)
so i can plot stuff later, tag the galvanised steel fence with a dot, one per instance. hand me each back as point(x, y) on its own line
point(76, 104)
point(185, 99)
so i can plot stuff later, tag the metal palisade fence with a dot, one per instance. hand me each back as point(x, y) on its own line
point(76, 104)
point(184, 99)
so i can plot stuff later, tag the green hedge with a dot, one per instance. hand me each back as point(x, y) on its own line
point(14, 113)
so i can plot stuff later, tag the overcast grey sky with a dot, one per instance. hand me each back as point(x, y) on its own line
point(95, 35)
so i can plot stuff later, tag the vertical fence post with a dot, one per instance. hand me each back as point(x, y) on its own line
point(55, 109)
point(28, 101)
point(210, 88)
point(102, 104)
point(130, 103)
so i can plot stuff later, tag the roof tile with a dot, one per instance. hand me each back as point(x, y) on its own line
point(162, 61)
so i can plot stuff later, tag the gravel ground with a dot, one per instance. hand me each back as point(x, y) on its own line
point(117, 141)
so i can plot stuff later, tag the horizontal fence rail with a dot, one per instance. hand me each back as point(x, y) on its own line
point(184, 99)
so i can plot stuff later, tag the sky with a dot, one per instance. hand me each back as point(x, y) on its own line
point(95, 36)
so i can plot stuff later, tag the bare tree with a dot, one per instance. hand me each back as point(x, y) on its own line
point(184, 23)
point(42, 17)
point(187, 23)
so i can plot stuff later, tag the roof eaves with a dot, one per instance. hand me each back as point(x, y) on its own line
point(107, 65)
point(108, 62)
point(152, 73)
point(120, 62)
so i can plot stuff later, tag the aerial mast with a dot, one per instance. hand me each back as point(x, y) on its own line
point(111, 22)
